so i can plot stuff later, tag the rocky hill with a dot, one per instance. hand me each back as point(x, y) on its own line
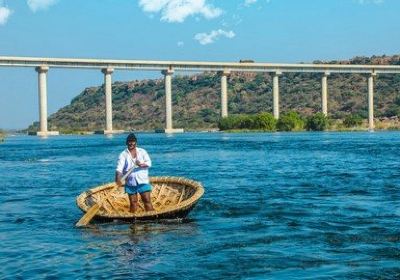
point(139, 105)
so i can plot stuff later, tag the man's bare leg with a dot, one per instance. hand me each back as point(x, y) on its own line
point(147, 201)
point(133, 199)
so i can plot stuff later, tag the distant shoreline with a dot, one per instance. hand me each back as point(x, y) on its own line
point(381, 124)
point(88, 133)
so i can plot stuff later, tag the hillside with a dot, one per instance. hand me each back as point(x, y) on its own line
point(139, 105)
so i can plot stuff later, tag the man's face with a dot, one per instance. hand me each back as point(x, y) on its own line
point(131, 145)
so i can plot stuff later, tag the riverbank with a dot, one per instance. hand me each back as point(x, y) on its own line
point(379, 124)
point(293, 121)
point(336, 125)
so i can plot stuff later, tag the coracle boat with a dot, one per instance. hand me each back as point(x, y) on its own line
point(172, 197)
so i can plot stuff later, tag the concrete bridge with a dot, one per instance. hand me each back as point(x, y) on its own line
point(168, 68)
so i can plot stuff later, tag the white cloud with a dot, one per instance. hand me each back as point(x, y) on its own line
point(4, 15)
point(36, 5)
point(210, 38)
point(180, 44)
point(179, 10)
point(249, 2)
point(370, 1)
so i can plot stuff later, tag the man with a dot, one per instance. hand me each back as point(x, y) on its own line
point(138, 181)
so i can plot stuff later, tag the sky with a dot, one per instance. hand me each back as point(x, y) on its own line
point(275, 31)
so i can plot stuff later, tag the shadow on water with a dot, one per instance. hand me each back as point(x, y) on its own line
point(138, 248)
point(141, 230)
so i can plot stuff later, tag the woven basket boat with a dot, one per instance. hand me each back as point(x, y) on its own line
point(172, 197)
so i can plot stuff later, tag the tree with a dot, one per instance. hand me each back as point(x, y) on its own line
point(229, 122)
point(264, 121)
point(352, 120)
point(290, 121)
point(317, 122)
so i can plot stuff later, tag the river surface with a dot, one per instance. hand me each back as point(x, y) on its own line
point(276, 206)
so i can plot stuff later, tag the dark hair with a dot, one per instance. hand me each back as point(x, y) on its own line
point(131, 138)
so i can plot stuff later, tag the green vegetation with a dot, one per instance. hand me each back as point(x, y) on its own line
point(317, 122)
point(352, 121)
point(265, 121)
point(290, 121)
point(261, 121)
point(70, 131)
point(2, 135)
point(140, 105)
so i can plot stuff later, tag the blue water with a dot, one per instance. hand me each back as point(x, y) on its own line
point(276, 206)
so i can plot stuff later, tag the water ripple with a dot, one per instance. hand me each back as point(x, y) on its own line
point(277, 206)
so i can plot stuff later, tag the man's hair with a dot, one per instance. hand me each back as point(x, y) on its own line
point(131, 138)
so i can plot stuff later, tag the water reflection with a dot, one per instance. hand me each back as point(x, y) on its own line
point(137, 248)
point(141, 230)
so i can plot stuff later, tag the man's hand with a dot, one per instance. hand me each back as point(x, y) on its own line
point(141, 164)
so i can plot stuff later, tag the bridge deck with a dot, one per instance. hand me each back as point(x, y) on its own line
point(9, 61)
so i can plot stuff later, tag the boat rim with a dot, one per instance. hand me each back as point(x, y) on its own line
point(199, 191)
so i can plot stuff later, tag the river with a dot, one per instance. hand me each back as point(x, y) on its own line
point(276, 205)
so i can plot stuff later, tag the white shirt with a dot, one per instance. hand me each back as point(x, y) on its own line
point(140, 175)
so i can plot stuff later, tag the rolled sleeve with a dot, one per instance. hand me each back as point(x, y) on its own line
point(121, 163)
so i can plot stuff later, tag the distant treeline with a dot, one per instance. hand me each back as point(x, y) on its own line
point(140, 105)
point(290, 121)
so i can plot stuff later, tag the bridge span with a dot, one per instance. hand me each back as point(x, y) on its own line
point(168, 68)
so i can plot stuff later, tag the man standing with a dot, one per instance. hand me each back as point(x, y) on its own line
point(138, 181)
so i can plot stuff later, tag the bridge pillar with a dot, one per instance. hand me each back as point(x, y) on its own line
point(275, 94)
point(324, 94)
point(42, 90)
point(371, 101)
point(224, 93)
point(168, 102)
point(108, 94)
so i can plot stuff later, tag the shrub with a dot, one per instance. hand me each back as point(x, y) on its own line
point(317, 122)
point(352, 120)
point(290, 121)
point(245, 122)
point(229, 122)
point(264, 121)
point(397, 100)
point(393, 110)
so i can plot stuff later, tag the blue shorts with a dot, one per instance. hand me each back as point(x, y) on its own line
point(141, 188)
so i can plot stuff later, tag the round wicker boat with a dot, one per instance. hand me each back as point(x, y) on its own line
point(172, 197)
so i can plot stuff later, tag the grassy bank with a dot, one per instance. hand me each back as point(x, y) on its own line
point(292, 121)
point(264, 122)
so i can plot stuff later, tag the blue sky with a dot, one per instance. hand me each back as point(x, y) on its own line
point(287, 31)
